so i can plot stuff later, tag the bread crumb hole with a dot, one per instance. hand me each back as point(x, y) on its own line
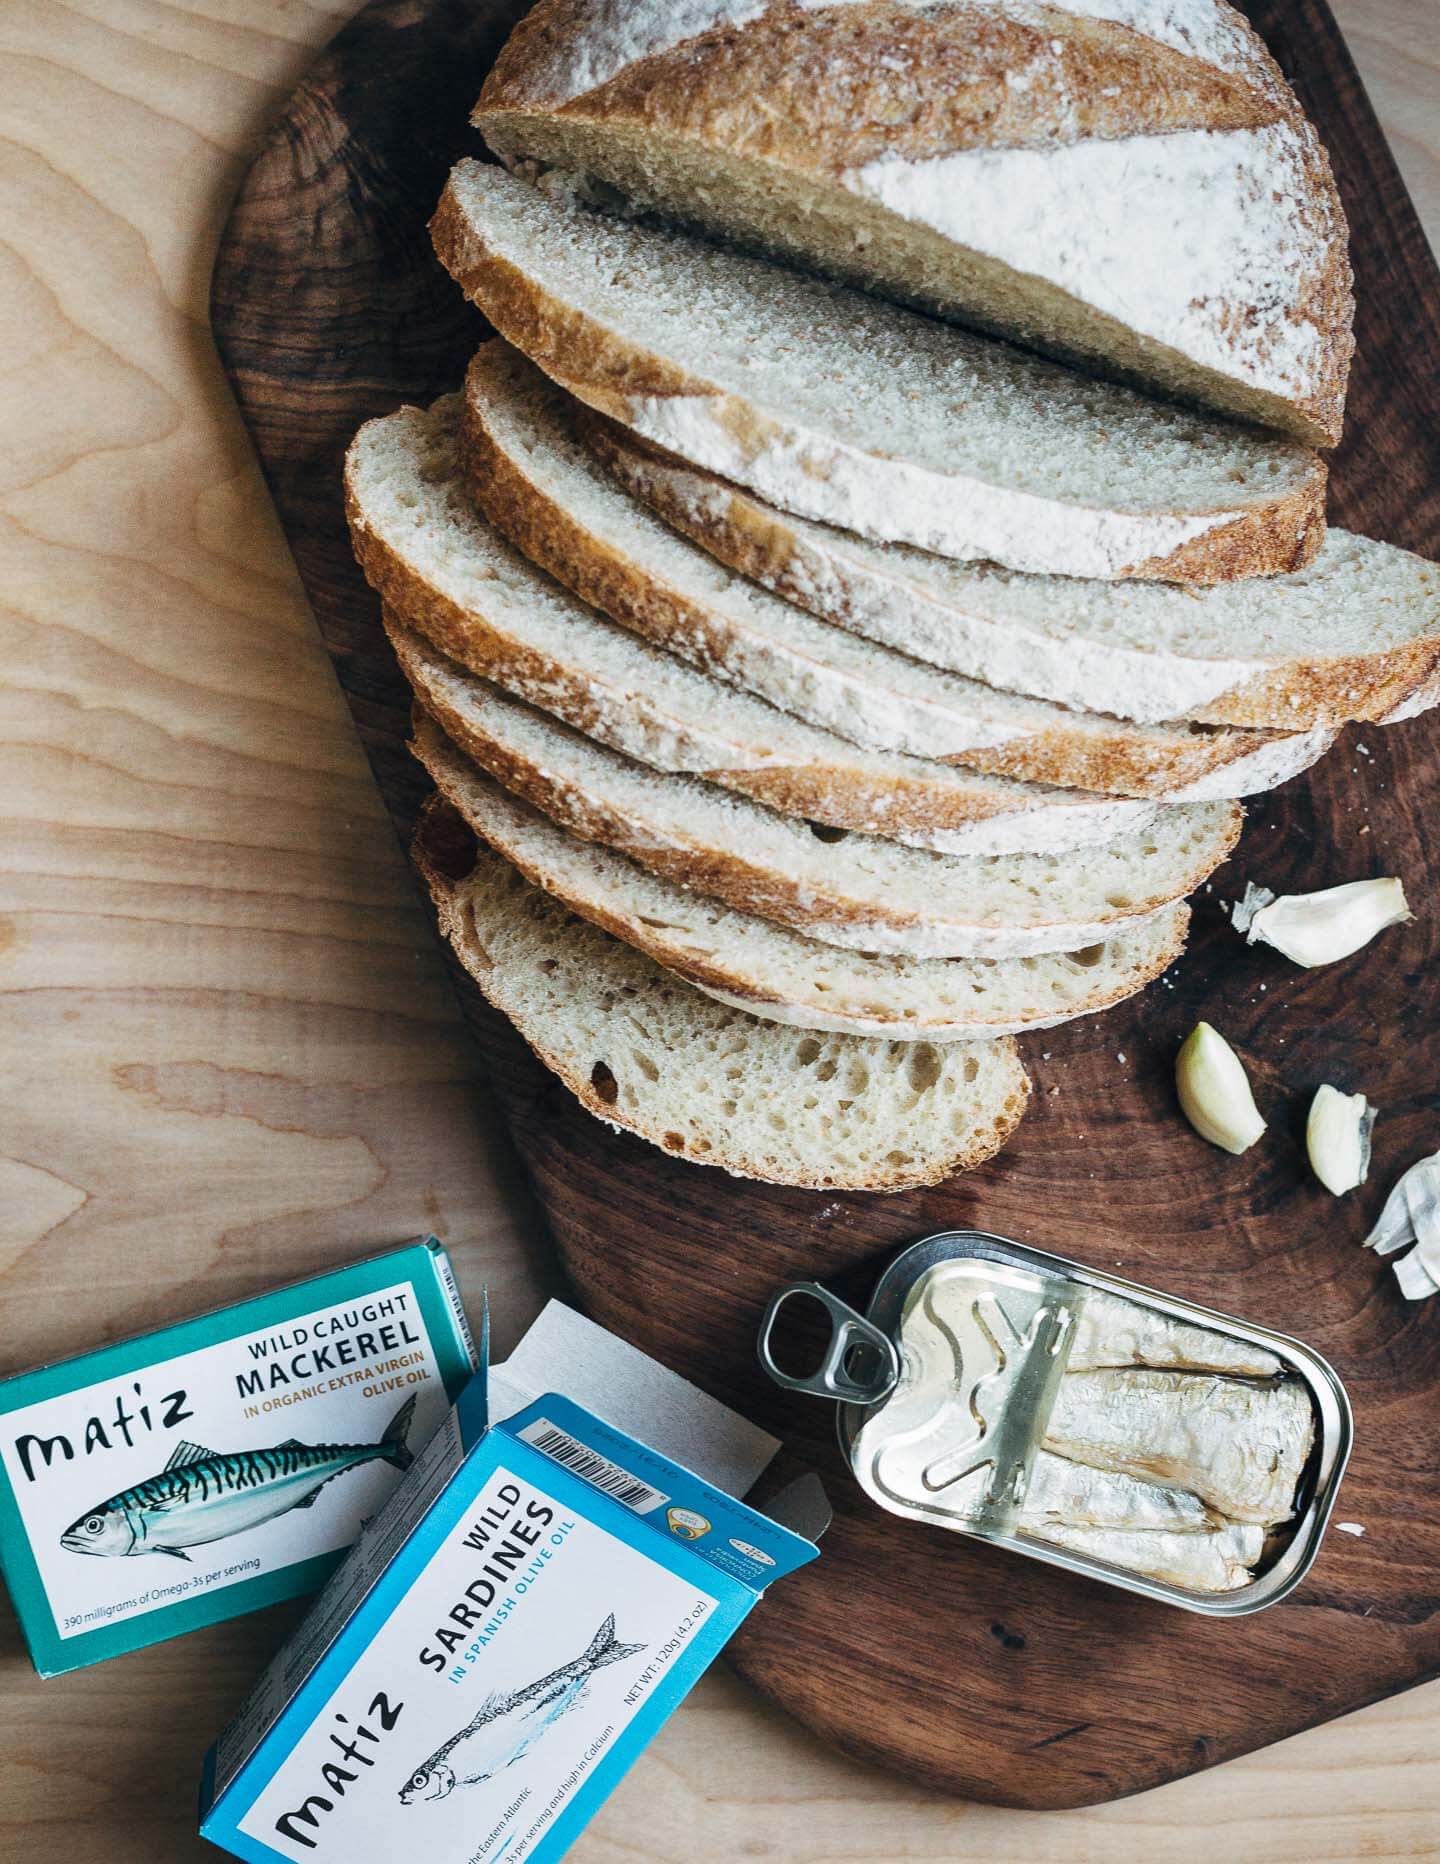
point(923, 1067)
point(808, 1052)
point(606, 1087)
point(674, 1142)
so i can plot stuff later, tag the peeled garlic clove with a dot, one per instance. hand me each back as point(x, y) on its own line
point(1319, 928)
point(1337, 1138)
point(1215, 1092)
point(1416, 1282)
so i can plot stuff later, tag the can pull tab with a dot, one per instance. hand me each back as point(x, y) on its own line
point(860, 1364)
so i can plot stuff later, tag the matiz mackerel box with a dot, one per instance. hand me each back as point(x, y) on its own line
point(187, 1475)
point(538, 1595)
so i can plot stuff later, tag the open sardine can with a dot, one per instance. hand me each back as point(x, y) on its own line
point(1082, 1419)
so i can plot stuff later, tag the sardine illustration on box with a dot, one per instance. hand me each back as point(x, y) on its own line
point(199, 1496)
point(509, 1723)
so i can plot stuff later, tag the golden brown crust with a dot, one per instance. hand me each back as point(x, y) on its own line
point(823, 92)
point(605, 370)
point(434, 837)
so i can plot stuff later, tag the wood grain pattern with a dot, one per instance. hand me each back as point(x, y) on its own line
point(226, 830)
point(999, 1695)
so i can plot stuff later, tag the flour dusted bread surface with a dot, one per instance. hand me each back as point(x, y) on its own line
point(426, 548)
point(841, 407)
point(647, 1053)
point(779, 974)
point(1127, 181)
point(856, 891)
point(1353, 635)
point(555, 501)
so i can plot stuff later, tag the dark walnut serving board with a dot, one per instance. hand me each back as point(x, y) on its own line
point(973, 1670)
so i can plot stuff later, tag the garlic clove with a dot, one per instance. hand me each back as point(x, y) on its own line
point(1215, 1092)
point(1319, 928)
point(1337, 1138)
point(1416, 1282)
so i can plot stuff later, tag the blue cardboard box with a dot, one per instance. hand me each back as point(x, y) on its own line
point(202, 1470)
point(536, 1598)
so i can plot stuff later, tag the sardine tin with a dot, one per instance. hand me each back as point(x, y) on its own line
point(187, 1475)
point(540, 1592)
point(1037, 1300)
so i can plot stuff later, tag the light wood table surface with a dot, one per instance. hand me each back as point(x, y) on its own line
point(230, 1054)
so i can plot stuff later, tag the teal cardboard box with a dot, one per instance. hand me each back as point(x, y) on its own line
point(188, 1475)
point(561, 1564)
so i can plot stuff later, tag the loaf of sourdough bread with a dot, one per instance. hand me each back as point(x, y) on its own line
point(779, 974)
point(1353, 636)
point(550, 496)
point(840, 407)
point(1128, 182)
point(649, 1055)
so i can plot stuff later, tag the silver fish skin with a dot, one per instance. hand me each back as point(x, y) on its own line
point(1218, 1560)
point(204, 1497)
point(1114, 1332)
point(1239, 1447)
point(1076, 1495)
point(524, 1709)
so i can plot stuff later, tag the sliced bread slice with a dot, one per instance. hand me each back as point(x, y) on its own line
point(777, 973)
point(1355, 635)
point(438, 564)
point(843, 889)
point(845, 408)
point(549, 495)
point(649, 1055)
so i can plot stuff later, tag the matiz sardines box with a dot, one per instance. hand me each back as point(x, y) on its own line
point(537, 1597)
point(187, 1475)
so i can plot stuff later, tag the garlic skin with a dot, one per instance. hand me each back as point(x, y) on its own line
point(1337, 1138)
point(1215, 1092)
point(1412, 1215)
point(1321, 928)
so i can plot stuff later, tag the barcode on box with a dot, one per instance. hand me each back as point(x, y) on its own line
point(558, 1444)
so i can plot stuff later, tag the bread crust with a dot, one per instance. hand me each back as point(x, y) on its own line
point(432, 850)
point(826, 91)
point(608, 372)
point(823, 94)
point(1285, 696)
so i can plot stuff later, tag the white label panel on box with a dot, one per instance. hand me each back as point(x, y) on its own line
point(240, 1458)
point(488, 1694)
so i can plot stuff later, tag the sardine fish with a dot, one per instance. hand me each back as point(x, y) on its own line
point(507, 1724)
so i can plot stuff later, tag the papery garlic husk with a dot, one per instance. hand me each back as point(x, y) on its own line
point(1215, 1092)
point(1337, 1138)
point(1412, 1210)
point(1320, 928)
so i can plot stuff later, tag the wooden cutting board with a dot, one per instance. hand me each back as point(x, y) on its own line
point(973, 1670)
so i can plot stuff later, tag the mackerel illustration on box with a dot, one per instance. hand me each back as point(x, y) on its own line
point(187, 1475)
point(541, 1590)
